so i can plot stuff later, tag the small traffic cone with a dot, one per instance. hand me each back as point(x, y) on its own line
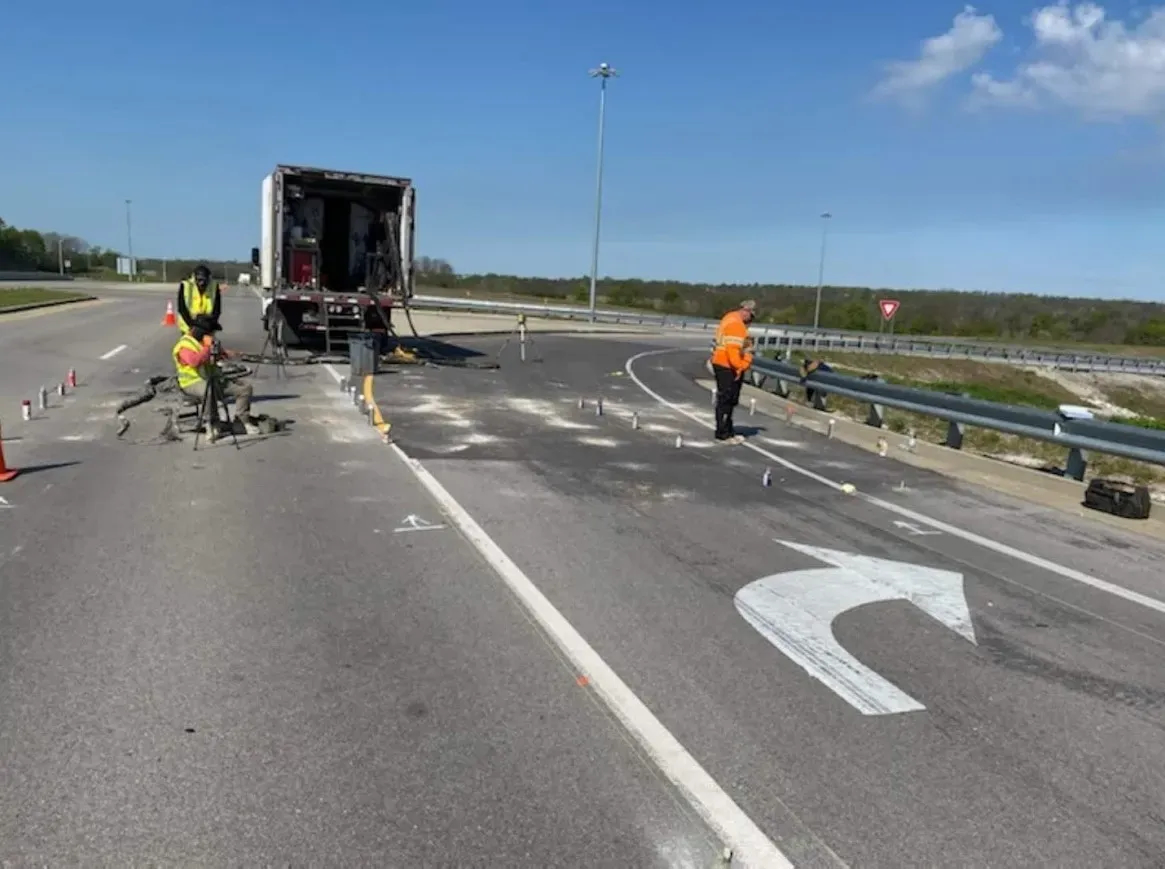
point(71, 380)
point(169, 319)
point(6, 473)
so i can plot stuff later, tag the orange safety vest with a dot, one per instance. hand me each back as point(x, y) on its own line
point(731, 347)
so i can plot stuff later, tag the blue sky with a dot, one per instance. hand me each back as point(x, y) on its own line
point(1019, 149)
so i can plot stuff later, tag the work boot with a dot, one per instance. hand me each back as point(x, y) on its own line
point(251, 426)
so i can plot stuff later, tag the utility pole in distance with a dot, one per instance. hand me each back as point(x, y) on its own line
point(603, 73)
point(826, 217)
point(129, 239)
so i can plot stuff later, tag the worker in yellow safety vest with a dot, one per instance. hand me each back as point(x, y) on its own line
point(196, 367)
point(731, 358)
point(198, 296)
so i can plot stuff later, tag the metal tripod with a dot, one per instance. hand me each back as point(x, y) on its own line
point(277, 346)
point(522, 333)
point(208, 412)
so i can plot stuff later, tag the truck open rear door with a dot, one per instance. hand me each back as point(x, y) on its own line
point(408, 240)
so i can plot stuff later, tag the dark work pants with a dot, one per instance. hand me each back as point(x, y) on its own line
point(727, 397)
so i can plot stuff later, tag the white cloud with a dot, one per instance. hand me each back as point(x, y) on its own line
point(940, 57)
point(1086, 62)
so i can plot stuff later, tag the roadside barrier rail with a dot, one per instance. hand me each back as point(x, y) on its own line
point(1063, 427)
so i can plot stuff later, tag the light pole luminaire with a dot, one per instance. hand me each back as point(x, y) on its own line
point(826, 217)
point(603, 73)
point(129, 238)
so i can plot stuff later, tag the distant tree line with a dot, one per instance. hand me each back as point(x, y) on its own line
point(949, 313)
point(34, 251)
point(998, 316)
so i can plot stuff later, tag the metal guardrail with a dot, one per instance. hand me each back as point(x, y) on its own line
point(1076, 435)
point(797, 338)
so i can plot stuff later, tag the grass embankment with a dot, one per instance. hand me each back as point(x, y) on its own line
point(13, 297)
point(1121, 397)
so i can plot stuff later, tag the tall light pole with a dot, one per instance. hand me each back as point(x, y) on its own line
point(825, 219)
point(129, 237)
point(603, 73)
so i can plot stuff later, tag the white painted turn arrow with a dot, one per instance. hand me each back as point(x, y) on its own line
point(795, 611)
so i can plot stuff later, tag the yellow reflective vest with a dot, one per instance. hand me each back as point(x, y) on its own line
point(188, 375)
point(196, 302)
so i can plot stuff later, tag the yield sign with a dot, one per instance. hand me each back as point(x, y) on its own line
point(888, 307)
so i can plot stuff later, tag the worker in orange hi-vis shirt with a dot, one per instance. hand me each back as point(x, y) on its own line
point(731, 358)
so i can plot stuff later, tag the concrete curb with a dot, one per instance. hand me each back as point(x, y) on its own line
point(13, 309)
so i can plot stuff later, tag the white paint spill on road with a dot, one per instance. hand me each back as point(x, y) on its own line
point(787, 445)
point(795, 611)
point(548, 413)
point(608, 443)
point(633, 467)
point(413, 522)
point(113, 352)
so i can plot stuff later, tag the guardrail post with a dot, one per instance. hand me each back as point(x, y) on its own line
point(817, 398)
point(877, 416)
point(1076, 465)
point(955, 435)
point(780, 388)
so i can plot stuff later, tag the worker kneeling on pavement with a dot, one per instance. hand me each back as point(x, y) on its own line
point(731, 359)
point(195, 359)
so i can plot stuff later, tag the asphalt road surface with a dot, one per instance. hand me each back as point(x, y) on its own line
point(321, 650)
point(231, 657)
point(988, 698)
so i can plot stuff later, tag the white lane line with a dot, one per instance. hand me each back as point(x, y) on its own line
point(114, 351)
point(750, 846)
point(985, 542)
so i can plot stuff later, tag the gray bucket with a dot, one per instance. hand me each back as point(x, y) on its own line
point(363, 354)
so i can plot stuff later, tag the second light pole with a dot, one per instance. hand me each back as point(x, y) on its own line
point(129, 238)
point(603, 73)
point(825, 219)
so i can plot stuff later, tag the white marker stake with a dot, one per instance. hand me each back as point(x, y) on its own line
point(752, 407)
point(795, 611)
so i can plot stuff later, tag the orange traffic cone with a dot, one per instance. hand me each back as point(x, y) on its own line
point(169, 319)
point(6, 473)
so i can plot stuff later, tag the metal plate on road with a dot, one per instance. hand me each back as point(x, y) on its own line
point(795, 611)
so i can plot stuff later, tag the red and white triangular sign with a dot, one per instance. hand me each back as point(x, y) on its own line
point(889, 307)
